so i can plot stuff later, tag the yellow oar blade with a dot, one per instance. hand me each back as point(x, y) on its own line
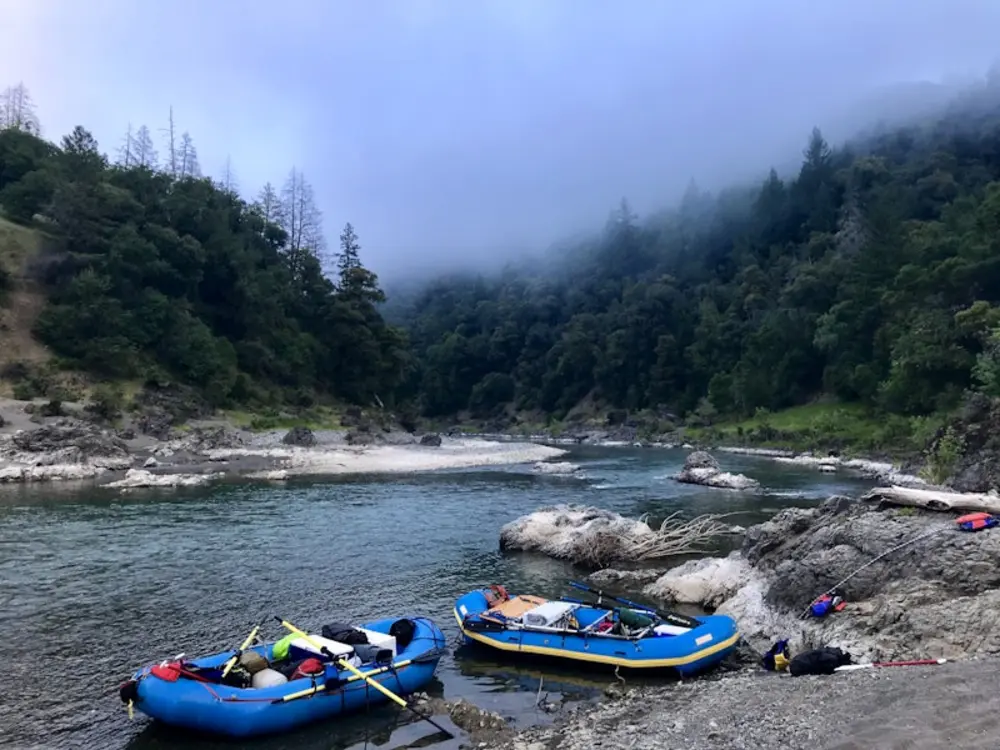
point(232, 662)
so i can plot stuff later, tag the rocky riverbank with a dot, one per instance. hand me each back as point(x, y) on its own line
point(914, 584)
point(915, 587)
point(40, 442)
point(918, 708)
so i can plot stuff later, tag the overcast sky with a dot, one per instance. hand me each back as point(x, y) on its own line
point(454, 130)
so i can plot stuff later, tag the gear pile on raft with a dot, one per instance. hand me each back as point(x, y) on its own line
point(277, 686)
point(631, 636)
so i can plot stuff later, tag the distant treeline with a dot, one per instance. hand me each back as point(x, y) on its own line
point(872, 275)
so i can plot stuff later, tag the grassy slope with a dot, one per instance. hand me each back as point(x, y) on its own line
point(22, 303)
point(850, 428)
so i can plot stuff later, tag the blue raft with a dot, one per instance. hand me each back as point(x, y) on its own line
point(630, 637)
point(190, 694)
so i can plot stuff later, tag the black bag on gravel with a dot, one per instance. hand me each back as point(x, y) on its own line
point(819, 661)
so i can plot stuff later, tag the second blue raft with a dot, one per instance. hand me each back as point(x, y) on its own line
point(577, 632)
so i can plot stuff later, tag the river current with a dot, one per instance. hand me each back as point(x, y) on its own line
point(95, 583)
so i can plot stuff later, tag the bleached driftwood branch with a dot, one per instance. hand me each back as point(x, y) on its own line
point(676, 536)
point(936, 499)
point(597, 537)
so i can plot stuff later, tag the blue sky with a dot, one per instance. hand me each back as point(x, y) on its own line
point(457, 132)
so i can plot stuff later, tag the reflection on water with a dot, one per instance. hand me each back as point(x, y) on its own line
point(101, 582)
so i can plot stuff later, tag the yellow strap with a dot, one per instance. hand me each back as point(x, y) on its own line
point(130, 713)
point(350, 667)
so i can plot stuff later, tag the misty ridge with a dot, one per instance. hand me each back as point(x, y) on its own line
point(916, 107)
point(863, 273)
point(865, 276)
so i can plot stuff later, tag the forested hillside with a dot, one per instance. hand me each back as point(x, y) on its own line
point(152, 271)
point(872, 276)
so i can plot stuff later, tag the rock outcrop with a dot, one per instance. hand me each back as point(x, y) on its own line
point(65, 449)
point(70, 441)
point(916, 585)
point(702, 468)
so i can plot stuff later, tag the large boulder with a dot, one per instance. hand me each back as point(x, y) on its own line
point(161, 406)
point(702, 468)
point(300, 436)
point(581, 534)
point(432, 439)
point(701, 460)
point(360, 436)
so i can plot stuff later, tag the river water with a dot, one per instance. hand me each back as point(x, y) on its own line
point(94, 583)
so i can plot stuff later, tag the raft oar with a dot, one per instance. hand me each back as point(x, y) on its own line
point(353, 678)
point(320, 688)
point(674, 618)
point(361, 675)
point(246, 644)
point(914, 663)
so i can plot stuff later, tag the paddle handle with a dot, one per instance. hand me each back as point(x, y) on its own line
point(232, 662)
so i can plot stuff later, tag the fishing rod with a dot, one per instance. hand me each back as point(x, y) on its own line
point(913, 663)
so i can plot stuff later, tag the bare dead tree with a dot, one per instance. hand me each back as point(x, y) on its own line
point(301, 220)
point(143, 150)
point(126, 151)
point(268, 204)
point(17, 110)
point(188, 158)
point(171, 165)
point(229, 183)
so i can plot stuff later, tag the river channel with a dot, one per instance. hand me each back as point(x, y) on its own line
point(95, 583)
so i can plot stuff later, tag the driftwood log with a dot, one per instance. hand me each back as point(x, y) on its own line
point(936, 499)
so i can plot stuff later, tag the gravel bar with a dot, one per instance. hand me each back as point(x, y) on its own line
point(951, 705)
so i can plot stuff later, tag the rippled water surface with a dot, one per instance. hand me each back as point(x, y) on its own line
point(96, 583)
